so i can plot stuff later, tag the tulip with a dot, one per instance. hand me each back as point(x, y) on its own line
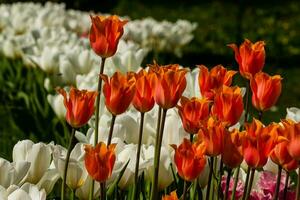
point(232, 155)
point(189, 159)
point(228, 105)
point(143, 99)
point(105, 34)
point(259, 143)
point(25, 192)
point(79, 106)
point(165, 172)
point(211, 81)
point(76, 173)
point(169, 83)
point(212, 135)
point(192, 112)
point(292, 132)
point(12, 173)
point(39, 156)
point(250, 57)
point(119, 92)
point(172, 196)
point(265, 90)
point(99, 161)
point(293, 113)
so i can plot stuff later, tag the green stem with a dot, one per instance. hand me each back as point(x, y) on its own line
point(136, 174)
point(102, 191)
point(99, 88)
point(227, 183)
point(211, 168)
point(236, 179)
point(246, 183)
point(250, 184)
point(112, 123)
point(72, 195)
point(286, 185)
point(278, 183)
point(154, 190)
point(220, 180)
point(70, 147)
point(298, 186)
point(184, 190)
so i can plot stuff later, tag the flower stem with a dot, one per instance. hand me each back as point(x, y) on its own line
point(154, 190)
point(112, 123)
point(236, 179)
point(70, 147)
point(220, 179)
point(247, 104)
point(286, 184)
point(91, 194)
point(278, 183)
point(250, 184)
point(72, 195)
point(211, 169)
point(298, 186)
point(227, 183)
point(184, 190)
point(102, 191)
point(136, 174)
point(246, 183)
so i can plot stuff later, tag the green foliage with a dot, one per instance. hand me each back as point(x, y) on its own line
point(24, 109)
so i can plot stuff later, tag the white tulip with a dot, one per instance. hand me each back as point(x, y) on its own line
point(25, 192)
point(293, 113)
point(57, 104)
point(12, 173)
point(83, 192)
point(39, 156)
point(76, 170)
point(165, 172)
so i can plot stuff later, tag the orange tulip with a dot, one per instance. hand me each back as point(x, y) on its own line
point(99, 161)
point(211, 81)
point(105, 34)
point(143, 99)
point(250, 57)
point(118, 91)
point(265, 90)
point(172, 196)
point(169, 83)
point(259, 143)
point(189, 159)
point(192, 112)
point(212, 135)
point(232, 155)
point(292, 130)
point(228, 105)
point(79, 106)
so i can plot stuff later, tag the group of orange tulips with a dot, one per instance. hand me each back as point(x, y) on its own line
point(208, 120)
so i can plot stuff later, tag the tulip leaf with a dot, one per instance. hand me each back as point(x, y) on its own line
point(111, 189)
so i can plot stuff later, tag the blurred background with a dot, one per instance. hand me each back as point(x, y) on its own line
point(219, 23)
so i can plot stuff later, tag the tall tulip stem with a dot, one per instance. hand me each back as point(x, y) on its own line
point(220, 179)
point(246, 183)
point(102, 191)
point(236, 179)
point(70, 147)
point(136, 174)
point(99, 88)
point(250, 184)
point(298, 186)
point(154, 190)
point(111, 130)
point(184, 190)
point(277, 183)
point(286, 184)
point(227, 183)
point(211, 170)
point(247, 104)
